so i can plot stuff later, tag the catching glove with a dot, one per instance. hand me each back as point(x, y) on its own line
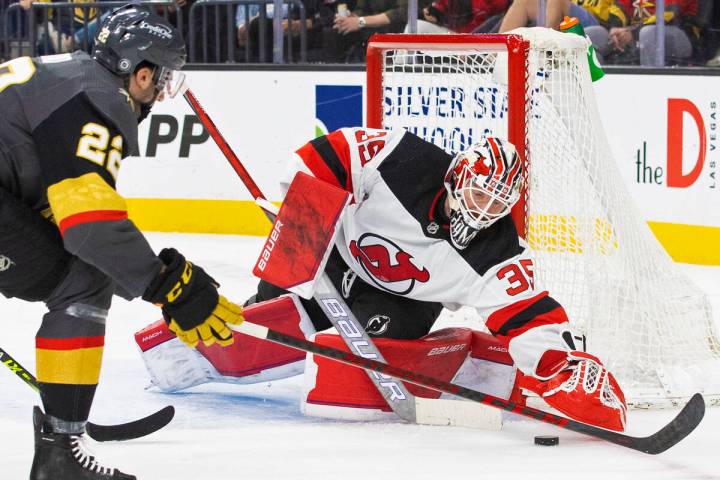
point(190, 302)
point(583, 390)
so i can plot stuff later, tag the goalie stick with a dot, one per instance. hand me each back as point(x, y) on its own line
point(101, 433)
point(398, 398)
point(672, 433)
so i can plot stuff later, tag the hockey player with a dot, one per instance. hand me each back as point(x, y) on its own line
point(427, 230)
point(67, 122)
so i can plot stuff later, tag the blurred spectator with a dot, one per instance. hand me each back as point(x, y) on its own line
point(608, 14)
point(247, 21)
point(707, 10)
point(346, 40)
point(461, 16)
point(213, 39)
point(323, 20)
point(524, 13)
point(83, 38)
point(63, 23)
point(637, 42)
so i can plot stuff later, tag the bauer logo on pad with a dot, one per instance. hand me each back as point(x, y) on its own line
point(299, 244)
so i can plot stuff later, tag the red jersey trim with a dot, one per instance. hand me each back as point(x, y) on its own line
point(521, 316)
point(89, 217)
point(342, 149)
point(498, 318)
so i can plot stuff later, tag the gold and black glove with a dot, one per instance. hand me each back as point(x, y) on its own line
point(190, 302)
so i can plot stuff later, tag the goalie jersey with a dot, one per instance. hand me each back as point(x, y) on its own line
point(395, 234)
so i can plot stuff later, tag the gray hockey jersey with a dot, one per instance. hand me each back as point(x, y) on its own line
point(66, 124)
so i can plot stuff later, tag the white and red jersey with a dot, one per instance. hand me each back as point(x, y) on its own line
point(395, 236)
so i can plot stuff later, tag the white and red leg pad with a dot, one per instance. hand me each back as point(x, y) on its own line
point(460, 355)
point(584, 391)
point(173, 366)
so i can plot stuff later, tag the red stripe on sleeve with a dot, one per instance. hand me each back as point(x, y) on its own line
point(69, 343)
point(89, 217)
point(340, 144)
point(498, 318)
point(317, 165)
point(555, 316)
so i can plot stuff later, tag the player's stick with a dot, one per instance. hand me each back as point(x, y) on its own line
point(672, 433)
point(101, 433)
point(400, 400)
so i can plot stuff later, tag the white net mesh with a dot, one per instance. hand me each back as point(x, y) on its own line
point(593, 252)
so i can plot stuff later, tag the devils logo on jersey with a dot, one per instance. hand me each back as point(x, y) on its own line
point(388, 266)
point(378, 324)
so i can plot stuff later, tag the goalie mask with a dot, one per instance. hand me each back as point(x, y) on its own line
point(483, 184)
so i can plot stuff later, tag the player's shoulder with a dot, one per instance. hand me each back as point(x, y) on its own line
point(415, 162)
point(412, 170)
point(391, 148)
point(77, 79)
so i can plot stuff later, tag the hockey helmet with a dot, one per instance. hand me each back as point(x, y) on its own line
point(483, 184)
point(133, 34)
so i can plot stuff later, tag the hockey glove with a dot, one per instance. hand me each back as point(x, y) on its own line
point(190, 302)
point(583, 390)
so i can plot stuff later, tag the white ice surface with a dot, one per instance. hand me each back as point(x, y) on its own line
point(257, 431)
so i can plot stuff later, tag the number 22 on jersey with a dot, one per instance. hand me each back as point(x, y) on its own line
point(16, 72)
point(93, 146)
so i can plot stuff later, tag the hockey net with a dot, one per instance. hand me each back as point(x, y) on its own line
point(594, 253)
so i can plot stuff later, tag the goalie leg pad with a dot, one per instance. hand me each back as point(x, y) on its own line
point(471, 359)
point(172, 366)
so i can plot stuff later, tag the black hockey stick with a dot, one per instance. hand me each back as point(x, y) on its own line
point(101, 433)
point(672, 433)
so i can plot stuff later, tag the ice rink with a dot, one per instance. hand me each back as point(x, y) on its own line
point(257, 431)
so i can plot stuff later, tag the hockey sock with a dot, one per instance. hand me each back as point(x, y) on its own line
point(69, 349)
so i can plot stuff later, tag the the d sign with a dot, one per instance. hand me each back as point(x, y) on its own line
point(677, 107)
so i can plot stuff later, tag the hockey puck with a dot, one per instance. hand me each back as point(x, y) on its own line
point(547, 440)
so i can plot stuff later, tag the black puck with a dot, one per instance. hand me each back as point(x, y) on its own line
point(547, 440)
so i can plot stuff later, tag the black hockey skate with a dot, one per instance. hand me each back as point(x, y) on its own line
point(64, 457)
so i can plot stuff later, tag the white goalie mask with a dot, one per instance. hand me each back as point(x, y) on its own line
point(483, 184)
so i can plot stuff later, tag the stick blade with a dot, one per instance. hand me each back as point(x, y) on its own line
point(680, 427)
point(131, 430)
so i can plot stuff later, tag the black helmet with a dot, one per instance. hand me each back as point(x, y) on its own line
point(131, 35)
